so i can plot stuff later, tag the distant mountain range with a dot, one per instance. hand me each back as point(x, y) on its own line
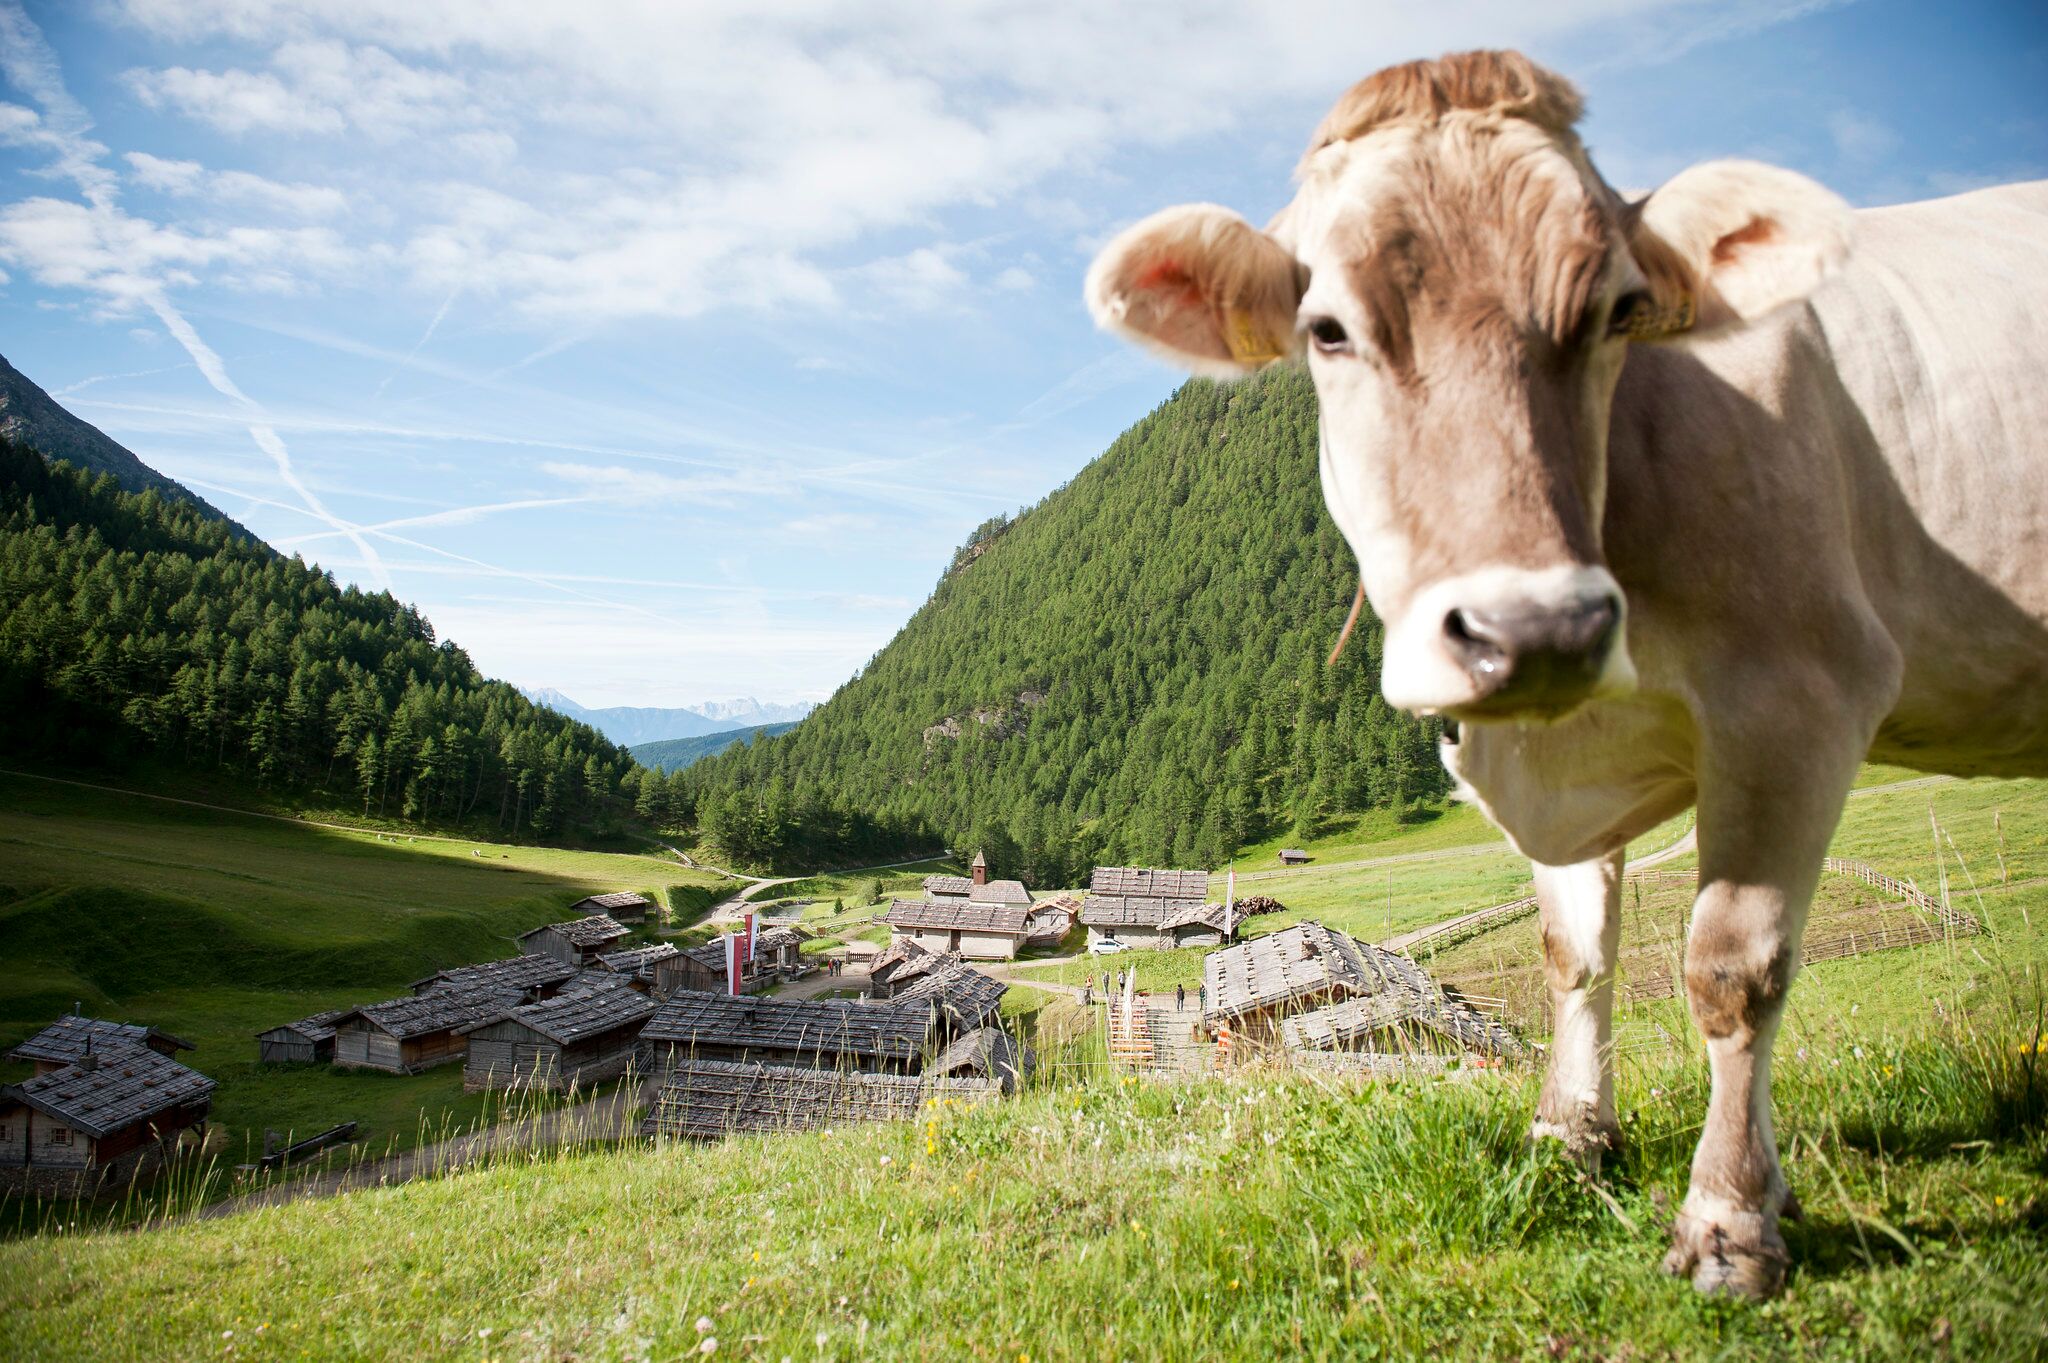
point(34, 418)
point(633, 725)
point(672, 754)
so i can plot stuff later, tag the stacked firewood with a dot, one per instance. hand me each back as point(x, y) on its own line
point(1258, 904)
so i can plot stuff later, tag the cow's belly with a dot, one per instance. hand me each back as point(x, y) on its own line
point(1940, 339)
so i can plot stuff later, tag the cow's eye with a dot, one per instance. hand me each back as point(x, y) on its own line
point(1629, 310)
point(1329, 336)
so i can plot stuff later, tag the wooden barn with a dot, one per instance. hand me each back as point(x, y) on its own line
point(1136, 904)
point(636, 965)
point(831, 1034)
point(700, 969)
point(534, 976)
point(576, 942)
point(1050, 920)
point(1294, 856)
point(65, 1041)
point(580, 1037)
point(117, 1112)
point(1308, 988)
point(983, 1053)
point(960, 997)
point(707, 1100)
point(302, 1042)
point(417, 1032)
point(902, 962)
point(623, 906)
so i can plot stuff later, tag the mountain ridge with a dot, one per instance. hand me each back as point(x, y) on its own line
point(1132, 669)
point(30, 416)
point(674, 754)
point(636, 725)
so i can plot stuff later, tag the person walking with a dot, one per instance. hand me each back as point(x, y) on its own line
point(1180, 997)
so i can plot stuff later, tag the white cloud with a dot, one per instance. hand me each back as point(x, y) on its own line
point(188, 179)
point(1015, 279)
point(598, 162)
point(233, 101)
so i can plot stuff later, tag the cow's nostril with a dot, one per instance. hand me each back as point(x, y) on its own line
point(1478, 641)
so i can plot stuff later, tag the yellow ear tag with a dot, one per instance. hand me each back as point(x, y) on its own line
point(1247, 340)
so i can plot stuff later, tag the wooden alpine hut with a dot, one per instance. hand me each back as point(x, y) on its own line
point(580, 1037)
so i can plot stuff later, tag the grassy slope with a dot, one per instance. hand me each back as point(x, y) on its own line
point(1246, 1218)
point(1249, 1218)
point(215, 926)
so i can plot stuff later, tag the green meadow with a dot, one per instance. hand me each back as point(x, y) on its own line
point(215, 925)
point(1271, 1212)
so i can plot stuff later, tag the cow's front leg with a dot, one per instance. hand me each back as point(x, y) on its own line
point(1762, 840)
point(1580, 908)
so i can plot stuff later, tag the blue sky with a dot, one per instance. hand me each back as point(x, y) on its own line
point(663, 352)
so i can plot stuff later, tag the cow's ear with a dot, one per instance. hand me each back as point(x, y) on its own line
point(1728, 242)
point(1201, 286)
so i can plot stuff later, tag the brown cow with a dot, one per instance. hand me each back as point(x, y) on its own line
point(1667, 502)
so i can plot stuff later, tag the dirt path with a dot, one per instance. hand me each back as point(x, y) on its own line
point(608, 1118)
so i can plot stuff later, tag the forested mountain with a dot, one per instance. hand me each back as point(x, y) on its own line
point(34, 418)
point(674, 754)
point(133, 626)
point(1131, 670)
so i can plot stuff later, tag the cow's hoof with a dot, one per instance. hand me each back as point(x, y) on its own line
point(1586, 1139)
point(1735, 1254)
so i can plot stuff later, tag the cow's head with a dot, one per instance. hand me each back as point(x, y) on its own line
point(1466, 288)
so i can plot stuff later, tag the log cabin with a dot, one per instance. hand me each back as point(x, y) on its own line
point(119, 1111)
point(416, 1032)
point(580, 1037)
point(575, 942)
point(67, 1039)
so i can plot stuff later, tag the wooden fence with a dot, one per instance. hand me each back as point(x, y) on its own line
point(1943, 921)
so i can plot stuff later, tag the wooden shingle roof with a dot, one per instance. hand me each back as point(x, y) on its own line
point(515, 973)
point(823, 1028)
point(121, 1085)
point(448, 1008)
point(1144, 882)
point(987, 1051)
point(957, 915)
point(711, 1099)
point(1305, 961)
point(67, 1039)
point(1189, 914)
point(1356, 989)
point(903, 960)
point(956, 886)
point(577, 1014)
point(594, 931)
point(617, 899)
point(1341, 1026)
point(963, 996)
point(637, 960)
point(1122, 911)
point(318, 1027)
point(1000, 892)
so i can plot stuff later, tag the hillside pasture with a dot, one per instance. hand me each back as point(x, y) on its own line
point(215, 925)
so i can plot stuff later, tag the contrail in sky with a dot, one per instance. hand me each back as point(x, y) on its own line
point(418, 345)
point(260, 429)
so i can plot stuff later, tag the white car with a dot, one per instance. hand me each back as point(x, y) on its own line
point(1108, 946)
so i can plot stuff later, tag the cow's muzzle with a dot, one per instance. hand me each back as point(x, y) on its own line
point(1526, 659)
